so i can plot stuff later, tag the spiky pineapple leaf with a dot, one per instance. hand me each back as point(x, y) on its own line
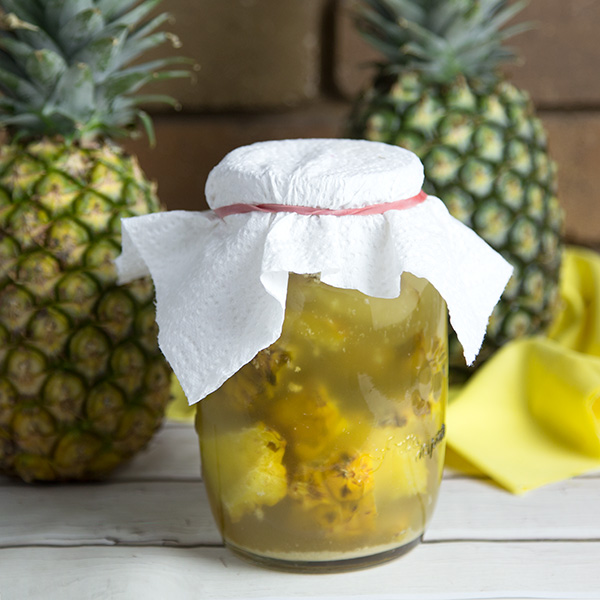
point(103, 54)
point(134, 47)
point(131, 80)
point(14, 85)
point(154, 99)
point(37, 38)
point(147, 28)
point(74, 94)
point(28, 120)
point(134, 16)
point(156, 65)
point(81, 29)
point(125, 82)
point(27, 10)
point(114, 8)
point(45, 68)
point(18, 50)
point(148, 126)
point(66, 64)
point(59, 12)
point(441, 38)
point(9, 65)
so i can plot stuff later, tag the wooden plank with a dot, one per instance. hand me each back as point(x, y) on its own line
point(107, 514)
point(445, 571)
point(172, 512)
point(173, 453)
point(453, 473)
point(478, 509)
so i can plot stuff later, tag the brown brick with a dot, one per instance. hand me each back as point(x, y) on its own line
point(353, 55)
point(252, 53)
point(575, 145)
point(560, 56)
point(188, 147)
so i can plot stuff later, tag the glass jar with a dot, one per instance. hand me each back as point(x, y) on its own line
point(325, 452)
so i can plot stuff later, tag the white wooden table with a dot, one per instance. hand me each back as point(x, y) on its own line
point(148, 534)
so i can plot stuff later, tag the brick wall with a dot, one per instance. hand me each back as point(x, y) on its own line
point(274, 69)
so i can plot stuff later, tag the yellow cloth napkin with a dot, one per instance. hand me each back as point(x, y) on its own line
point(531, 415)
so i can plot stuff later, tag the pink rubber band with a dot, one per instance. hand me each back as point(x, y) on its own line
point(374, 209)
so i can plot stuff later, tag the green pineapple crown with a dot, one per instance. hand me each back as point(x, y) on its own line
point(65, 67)
point(442, 39)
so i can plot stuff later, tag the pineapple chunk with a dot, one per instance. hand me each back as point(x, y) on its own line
point(255, 382)
point(397, 470)
point(346, 480)
point(310, 419)
point(247, 467)
point(350, 478)
point(338, 497)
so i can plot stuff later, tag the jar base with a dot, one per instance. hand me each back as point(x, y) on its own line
point(323, 566)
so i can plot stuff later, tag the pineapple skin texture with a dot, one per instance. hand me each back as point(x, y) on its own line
point(83, 385)
point(485, 155)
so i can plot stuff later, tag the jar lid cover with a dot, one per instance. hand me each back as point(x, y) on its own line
point(221, 283)
point(323, 173)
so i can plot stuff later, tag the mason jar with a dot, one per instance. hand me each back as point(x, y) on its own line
point(325, 452)
point(320, 408)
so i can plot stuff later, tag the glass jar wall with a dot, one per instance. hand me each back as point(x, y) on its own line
point(325, 452)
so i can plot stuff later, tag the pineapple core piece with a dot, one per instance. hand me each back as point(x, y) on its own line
point(338, 496)
point(247, 467)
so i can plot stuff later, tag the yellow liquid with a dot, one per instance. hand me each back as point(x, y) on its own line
point(329, 444)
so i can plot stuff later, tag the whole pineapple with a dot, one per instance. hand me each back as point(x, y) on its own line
point(441, 95)
point(83, 385)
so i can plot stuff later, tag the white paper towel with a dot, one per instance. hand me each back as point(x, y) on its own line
point(221, 284)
